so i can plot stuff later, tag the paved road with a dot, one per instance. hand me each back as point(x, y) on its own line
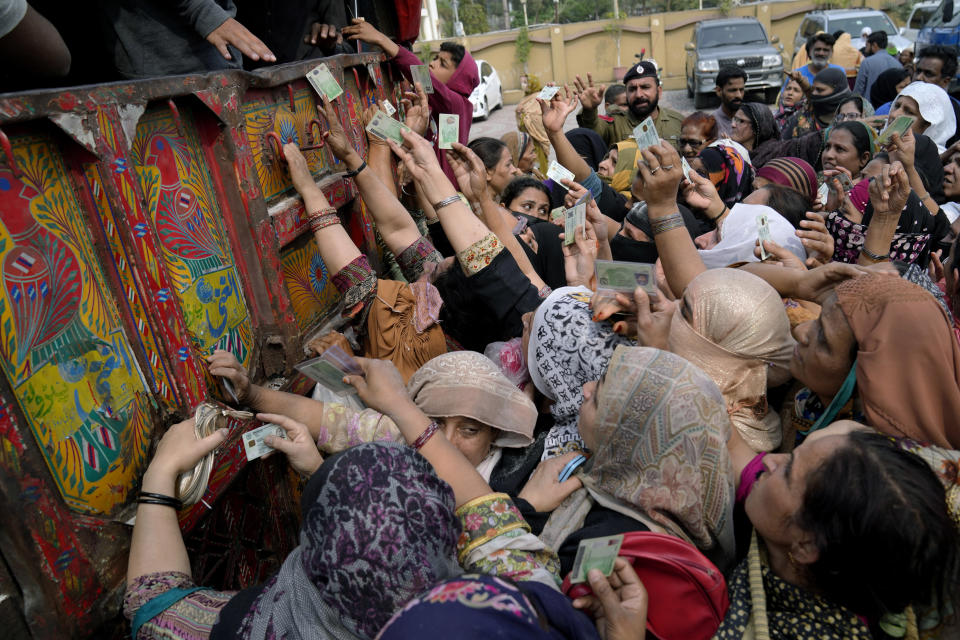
point(504, 120)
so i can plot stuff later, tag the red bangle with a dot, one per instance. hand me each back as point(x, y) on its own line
point(421, 440)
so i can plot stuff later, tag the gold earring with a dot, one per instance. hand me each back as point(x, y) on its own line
point(793, 561)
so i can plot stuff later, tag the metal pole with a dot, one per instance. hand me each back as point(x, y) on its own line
point(525, 23)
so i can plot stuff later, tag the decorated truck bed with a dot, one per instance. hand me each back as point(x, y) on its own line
point(143, 225)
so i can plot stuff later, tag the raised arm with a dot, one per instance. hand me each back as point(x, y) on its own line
point(888, 195)
point(554, 116)
point(382, 388)
point(470, 173)
point(393, 220)
point(156, 544)
point(660, 174)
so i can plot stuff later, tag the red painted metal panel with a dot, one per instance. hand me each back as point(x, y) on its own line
point(141, 226)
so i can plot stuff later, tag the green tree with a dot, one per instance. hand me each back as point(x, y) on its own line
point(474, 18)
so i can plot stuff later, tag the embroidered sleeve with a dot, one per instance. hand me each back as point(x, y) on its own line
point(344, 427)
point(480, 254)
point(356, 282)
point(496, 540)
point(412, 259)
point(190, 618)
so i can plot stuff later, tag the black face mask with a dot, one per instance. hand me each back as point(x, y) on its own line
point(629, 250)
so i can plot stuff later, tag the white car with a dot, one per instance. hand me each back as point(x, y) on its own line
point(489, 94)
point(919, 15)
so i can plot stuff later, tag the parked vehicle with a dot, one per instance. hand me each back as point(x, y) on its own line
point(851, 21)
point(741, 42)
point(942, 28)
point(489, 93)
point(921, 12)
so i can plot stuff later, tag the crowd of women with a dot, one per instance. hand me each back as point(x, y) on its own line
point(782, 428)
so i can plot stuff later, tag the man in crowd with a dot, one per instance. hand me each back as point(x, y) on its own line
point(819, 48)
point(643, 101)
point(614, 100)
point(731, 87)
point(877, 61)
point(452, 70)
point(937, 65)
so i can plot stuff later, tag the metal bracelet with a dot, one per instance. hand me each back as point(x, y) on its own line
point(873, 256)
point(667, 223)
point(446, 201)
point(421, 440)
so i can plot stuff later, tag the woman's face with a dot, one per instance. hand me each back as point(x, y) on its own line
point(841, 152)
point(740, 129)
point(503, 172)
point(821, 89)
point(634, 233)
point(531, 202)
point(824, 352)
point(792, 94)
point(587, 421)
point(527, 159)
point(471, 437)
point(907, 106)
point(848, 111)
point(691, 141)
point(778, 493)
point(608, 165)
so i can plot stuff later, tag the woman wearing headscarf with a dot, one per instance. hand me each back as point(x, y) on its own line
point(932, 108)
point(657, 427)
point(634, 241)
point(830, 88)
point(732, 324)
point(523, 151)
point(566, 350)
point(908, 234)
point(886, 88)
point(728, 171)
point(379, 526)
point(756, 129)
point(479, 410)
point(583, 153)
point(795, 173)
point(589, 145)
point(792, 98)
point(483, 607)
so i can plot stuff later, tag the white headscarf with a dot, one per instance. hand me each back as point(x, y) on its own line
point(738, 236)
point(936, 108)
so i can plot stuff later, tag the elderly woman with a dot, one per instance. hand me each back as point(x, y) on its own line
point(732, 324)
point(756, 129)
point(697, 131)
point(523, 151)
point(823, 561)
point(479, 410)
point(417, 516)
point(657, 427)
point(930, 105)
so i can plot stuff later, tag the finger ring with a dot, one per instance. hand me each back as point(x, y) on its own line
point(667, 166)
point(654, 170)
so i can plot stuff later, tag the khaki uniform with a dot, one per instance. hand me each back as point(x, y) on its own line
point(619, 127)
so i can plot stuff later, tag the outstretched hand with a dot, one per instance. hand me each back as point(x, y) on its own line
point(618, 603)
point(381, 386)
point(580, 257)
point(661, 173)
point(298, 446)
point(224, 364)
point(589, 95)
point(889, 192)
point(233, 33)
point(469, 170)
point(335, 137)
point(417, 155)
point(543, 490)
point(416, 109)
point(556, 111)
point(180, 449)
